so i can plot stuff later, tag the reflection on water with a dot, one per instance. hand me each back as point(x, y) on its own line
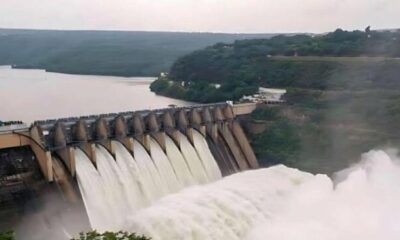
point(29, 95)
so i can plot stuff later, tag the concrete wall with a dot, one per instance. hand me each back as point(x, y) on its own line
point(53, 138)
point(244, 108)
point(9, 140)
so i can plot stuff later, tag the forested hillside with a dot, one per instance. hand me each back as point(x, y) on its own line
point(343, 93)
point(370, 59)
point(103, 52)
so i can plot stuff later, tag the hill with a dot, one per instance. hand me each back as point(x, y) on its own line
point(343, 93)
point(318, 62)
point(119, 53)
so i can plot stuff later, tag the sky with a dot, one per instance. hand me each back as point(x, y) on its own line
point(246, 16)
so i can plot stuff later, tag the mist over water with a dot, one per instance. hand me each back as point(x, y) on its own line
point(362, 204)
point(277, 203)
point(145, 194)
point(281, 203)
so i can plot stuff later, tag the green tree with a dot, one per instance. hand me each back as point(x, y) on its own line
point(9, 235)
point(267, 114)
point(94, 235)
point(159, 86)
point(278, 144)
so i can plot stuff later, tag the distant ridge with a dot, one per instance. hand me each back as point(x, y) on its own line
point(119, 53)
point(260, 34)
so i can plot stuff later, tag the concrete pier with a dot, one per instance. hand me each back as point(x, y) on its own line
point(59, 137)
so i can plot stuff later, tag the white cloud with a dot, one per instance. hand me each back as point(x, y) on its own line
point(201, 15)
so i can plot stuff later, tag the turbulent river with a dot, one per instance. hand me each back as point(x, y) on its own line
point(276, 203)
point(280, 203)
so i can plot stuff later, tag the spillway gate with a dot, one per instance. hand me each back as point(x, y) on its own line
point(54, 141)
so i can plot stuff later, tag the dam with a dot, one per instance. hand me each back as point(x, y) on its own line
point(161, 173)
point(131, 159)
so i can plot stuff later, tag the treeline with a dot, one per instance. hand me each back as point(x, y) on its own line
point(8, 123)
point(337, 43)
point(369, 59)
point(202, 92)
point(118, 53)
point(92, 235)
point(292, 72)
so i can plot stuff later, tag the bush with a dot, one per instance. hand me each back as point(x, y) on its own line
point(278, 144)
point(267, 114)
point(7, 235)
point(93, 235)
point(202, 92)
point(159, 85)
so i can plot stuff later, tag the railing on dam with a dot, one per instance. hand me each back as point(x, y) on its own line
point(58, 138)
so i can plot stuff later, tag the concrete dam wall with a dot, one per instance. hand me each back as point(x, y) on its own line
point(217, 123)
point(170, 149)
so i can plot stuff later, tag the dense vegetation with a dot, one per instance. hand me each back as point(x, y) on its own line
point(369, 58)
point(7, 235)
point(283, 141)
point(324, 131)
point(103, 52)
point(9, 123)
point(110, 236)
point(93, 235)
point(202, 92)
point(343, 93)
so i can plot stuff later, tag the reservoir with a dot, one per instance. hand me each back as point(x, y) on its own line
point(29, 95)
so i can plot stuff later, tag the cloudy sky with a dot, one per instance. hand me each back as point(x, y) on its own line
point(201, 15)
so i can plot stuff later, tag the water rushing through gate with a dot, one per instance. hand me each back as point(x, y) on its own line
point(164, 196)
point(120, 187)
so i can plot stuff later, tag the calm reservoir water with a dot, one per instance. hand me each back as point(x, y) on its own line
point(30, 95)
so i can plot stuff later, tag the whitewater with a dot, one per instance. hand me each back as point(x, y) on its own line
point(361, 202)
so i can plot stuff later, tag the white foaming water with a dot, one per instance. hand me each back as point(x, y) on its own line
point(134, 184)
point(276, 203)
point(164, 167)
point(209, 163)
point(149, 171)
point(119, 187)
point(113, 185)
point(92, 191)
point(363, 204)
point(227, 209)
point(280, 203)
point(178, 163)
point(192, 160)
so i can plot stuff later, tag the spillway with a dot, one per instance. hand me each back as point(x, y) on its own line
point(207, 159)
point(165, 168)
point(113, 189)
point(124, 163)
point(179, 164)
point(92, 191)
point(277, 203)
